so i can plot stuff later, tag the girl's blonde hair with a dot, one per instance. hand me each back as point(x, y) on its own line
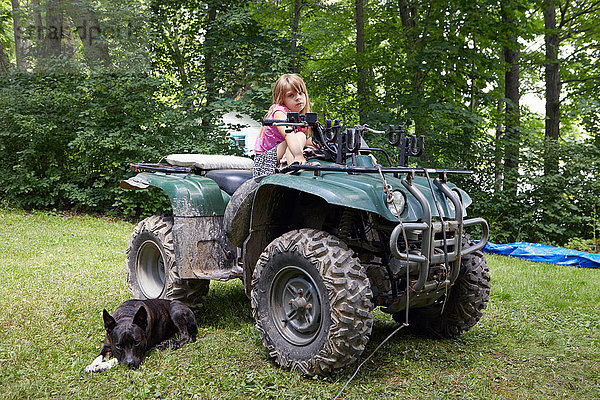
point(288, 82)
point(285, 83)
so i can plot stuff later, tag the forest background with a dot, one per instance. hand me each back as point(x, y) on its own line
point(86, 87)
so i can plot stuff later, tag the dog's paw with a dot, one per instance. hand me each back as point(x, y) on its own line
point(99, 365)
point(165, 344)
point(94, 365)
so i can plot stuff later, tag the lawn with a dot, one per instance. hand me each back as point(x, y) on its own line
point(539, 337)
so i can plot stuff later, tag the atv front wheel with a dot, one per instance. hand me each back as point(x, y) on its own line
point(464, 305)
point(152, 271)
point(311, 301)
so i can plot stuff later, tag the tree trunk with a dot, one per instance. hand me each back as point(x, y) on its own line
point(89, 30)
point(295, 30)
point(173, 50)
point(473, 87)
point(209, 73)
point(361, 69)
point(512, 136)
point(4, 61)
point(69, 40)
point(408, 17)
point(498, 165)
point(53, 30)
point(39, 24)
point(552, 131)
point(20, 42)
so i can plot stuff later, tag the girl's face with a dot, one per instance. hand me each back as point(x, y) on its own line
point(294, 101)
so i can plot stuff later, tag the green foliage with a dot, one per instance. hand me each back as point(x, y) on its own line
point(435, 67)
point(67, 137)
point(548, 209)
point(246, 57)
point(67, 140)
point(6, 37)
point(587, 245)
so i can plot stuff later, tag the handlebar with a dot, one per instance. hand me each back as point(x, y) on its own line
point(282, 122)
point(293, 119)
point(270, 122)
point(337, 144)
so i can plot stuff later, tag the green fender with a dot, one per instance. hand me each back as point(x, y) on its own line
point(190, 195)
point(361, 192)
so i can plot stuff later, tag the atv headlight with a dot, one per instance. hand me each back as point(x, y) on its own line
point(396, 203)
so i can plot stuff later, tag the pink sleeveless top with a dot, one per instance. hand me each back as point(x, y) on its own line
point(271, 136)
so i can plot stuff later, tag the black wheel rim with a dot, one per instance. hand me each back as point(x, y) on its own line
point(150, 270)
point(295, 305)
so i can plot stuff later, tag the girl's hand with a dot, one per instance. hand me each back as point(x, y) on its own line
point(299, 160)
point(309, 151)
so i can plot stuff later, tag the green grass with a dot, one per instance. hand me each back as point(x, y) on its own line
point(539, 337)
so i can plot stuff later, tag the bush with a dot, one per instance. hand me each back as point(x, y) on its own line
point(587, 245)
point(547, 209)
point(66, 139)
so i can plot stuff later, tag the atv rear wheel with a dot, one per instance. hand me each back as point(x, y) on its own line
point(311, 301)
point(463, 308)
point(152, 271)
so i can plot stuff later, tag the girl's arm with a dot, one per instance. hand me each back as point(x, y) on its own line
point(309, 142)
point(294, 142)
point(282, 116)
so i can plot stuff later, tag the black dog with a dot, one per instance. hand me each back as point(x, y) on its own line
point(139, 325)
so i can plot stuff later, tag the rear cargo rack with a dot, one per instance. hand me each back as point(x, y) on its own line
point(167, 168)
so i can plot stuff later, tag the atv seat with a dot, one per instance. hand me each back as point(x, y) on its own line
point(229, 179)
point(207, 162)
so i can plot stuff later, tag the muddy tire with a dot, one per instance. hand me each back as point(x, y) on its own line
point(467, 299)
point(152, 271)
point(236, 219)
point(311, 301)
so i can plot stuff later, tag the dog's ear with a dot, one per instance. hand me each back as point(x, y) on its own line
point(141, 318)
point(109, 321)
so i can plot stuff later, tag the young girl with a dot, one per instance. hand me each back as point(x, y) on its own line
point(273, 143)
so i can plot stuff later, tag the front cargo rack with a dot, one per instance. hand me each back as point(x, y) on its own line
point(370, 170)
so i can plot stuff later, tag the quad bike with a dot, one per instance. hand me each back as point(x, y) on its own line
point(318, 245)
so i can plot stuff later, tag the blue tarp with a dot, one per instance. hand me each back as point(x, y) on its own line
point(544, 253)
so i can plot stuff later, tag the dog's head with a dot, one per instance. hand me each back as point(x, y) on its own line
point(127, 339)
